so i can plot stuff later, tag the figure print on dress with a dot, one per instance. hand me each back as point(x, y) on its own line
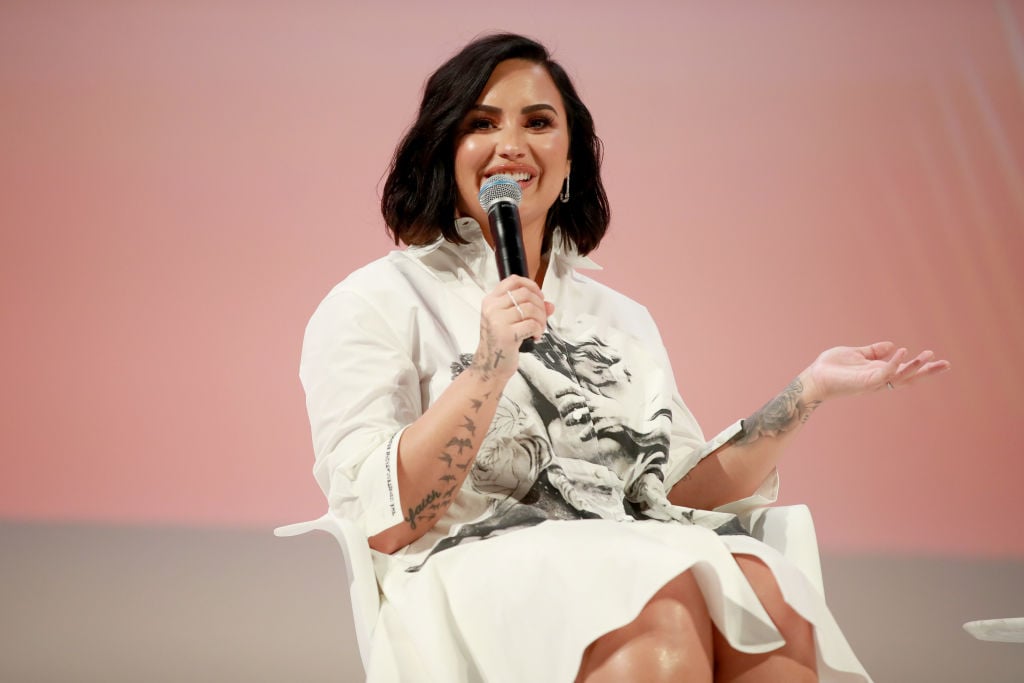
point(576, 436)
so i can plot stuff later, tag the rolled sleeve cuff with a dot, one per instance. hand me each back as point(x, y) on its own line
point(679, 468)
point(766, 494)
point(371, 498)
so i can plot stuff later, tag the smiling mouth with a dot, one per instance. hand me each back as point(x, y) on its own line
point(518, 176)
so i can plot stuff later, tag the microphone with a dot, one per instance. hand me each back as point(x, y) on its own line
point(500, 197)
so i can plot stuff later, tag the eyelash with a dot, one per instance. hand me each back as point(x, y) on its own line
point(487, 124)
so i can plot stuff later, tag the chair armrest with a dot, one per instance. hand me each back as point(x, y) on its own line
point(363, 589)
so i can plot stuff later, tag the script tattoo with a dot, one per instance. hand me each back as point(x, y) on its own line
point(779, 415)
point(418, 510)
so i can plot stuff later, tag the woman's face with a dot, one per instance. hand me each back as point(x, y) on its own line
point(517, 126)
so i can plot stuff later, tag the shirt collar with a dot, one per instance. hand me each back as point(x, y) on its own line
point(470, 231)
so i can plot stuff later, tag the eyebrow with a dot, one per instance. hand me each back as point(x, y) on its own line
point(525, 110)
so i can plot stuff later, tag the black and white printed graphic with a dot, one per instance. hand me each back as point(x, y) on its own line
point(579, 433)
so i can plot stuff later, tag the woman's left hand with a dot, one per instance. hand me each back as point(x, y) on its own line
point(849, 370)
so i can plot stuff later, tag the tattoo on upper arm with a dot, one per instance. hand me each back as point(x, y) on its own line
point(779, 415)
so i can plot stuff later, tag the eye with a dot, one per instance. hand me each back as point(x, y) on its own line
point(539, 122)
point(480, 123)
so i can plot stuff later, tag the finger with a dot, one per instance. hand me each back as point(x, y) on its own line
point(518, 281)
point(878, 350)
point(531, 310)
point(908, 369)
point(927, 370)
point(522, 296)
point(892, 365)
point(528, 327)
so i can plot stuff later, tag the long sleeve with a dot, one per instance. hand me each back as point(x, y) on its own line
point(362, 389)
point(689, 446)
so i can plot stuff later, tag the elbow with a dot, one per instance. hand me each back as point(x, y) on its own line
point(391, 540)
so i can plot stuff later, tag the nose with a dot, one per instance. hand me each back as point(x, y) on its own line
point(510, 143)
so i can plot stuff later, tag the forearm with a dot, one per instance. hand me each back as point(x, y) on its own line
point(436, 452)
point(735, 470)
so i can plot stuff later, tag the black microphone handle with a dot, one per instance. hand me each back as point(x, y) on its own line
point(503, 217)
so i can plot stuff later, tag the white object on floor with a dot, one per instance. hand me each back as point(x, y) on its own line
point(999, 630)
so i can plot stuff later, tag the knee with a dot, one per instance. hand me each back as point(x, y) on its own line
point(678, 606)
point(653, 656)
point(670, 640)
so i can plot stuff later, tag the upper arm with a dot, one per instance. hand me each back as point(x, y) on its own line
point(362, 388)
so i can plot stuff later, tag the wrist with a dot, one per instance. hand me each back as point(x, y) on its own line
point(812, 391)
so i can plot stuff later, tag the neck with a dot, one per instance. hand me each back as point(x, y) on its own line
point(533, 242)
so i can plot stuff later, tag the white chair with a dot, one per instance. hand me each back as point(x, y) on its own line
point(788, 529)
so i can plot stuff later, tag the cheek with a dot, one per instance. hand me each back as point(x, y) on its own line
point(555, 150)
point(468, 157)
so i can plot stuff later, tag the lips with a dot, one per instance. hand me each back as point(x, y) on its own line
point(520, 173)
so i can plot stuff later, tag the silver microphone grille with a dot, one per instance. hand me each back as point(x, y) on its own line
point(501, 187)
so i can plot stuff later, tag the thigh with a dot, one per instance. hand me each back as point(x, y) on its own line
point(796, 631)
point(763, 581)
point(671, 639)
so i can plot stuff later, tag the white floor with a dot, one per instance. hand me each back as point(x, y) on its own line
point(82, 604)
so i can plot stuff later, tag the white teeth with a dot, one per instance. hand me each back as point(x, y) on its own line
point(520, 176)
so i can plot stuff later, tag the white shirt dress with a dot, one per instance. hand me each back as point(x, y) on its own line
point(562, 531)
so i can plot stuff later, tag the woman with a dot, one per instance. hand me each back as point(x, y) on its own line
point(432, 430)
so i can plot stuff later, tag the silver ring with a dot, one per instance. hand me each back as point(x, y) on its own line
point(889, 384)
point(516, 304)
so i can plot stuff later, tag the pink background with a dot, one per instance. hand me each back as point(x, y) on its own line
point(182, 182)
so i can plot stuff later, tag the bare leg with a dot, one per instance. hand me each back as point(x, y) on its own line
point(795, 662)
point(670, 640)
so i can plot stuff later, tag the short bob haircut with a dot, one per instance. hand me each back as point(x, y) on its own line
point(420, 195)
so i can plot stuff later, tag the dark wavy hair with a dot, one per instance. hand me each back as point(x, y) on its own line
point(420, 195)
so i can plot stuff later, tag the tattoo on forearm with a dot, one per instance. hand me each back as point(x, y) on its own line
point(417, 511)
point(461, 444)
point(779, 415)
point(482, 360)
point(436, 502)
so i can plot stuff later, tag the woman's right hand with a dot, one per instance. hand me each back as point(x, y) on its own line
point(515, 310)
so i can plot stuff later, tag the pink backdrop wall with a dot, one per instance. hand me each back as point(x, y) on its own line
point(182, 182)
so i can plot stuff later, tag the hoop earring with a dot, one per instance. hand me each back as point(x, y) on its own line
point(564, 196)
